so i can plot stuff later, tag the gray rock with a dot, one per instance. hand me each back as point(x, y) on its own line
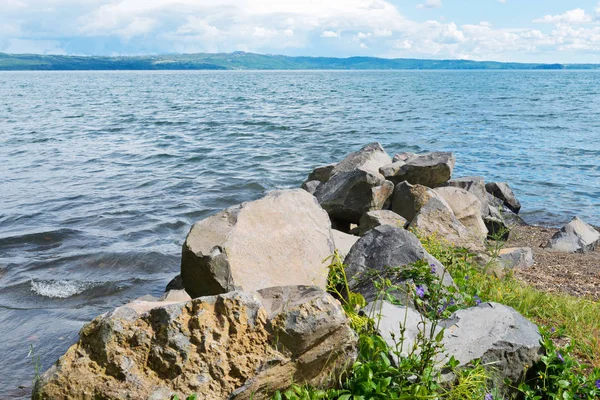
point(348, 195)
point(495, 224)
point(574, 237)
point(431, 169)
point(280, 239)
point(390, 319)
point(311, 186)
point(437, 218)
point(474, 185)
point(383, 247)
point(516, 257)
point(496, 334)
point(408, 199)
point(502, 191)
point(175, 284)
point(343, 242)
point(370, 158)
point(236, 345)
point(373, 219)
point(467, 209)
point(321, 174)
point(403, 156)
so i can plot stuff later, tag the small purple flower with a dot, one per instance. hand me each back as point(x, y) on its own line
point(477, 300)
point(598, 384)
point(488, 396)
point(466, 279)
point(420, 291)
point(553, 330)
point(560, 357)
point(433, 268)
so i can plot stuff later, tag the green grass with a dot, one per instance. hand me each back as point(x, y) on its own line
point(578, 318)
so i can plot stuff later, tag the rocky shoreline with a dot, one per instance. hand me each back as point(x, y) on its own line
point(251, 312)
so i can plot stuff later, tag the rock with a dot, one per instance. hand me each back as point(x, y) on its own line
point(516, 257)
point(311, 186)
point(175, 284)
point(176, 296)
point(496, 227)
point(309, 327)
point(278, 240)
point(474, 185)
point(431, 169)
point(466, 207)
point(349, 195)
point(321, 174)
point(390, 318)
point(496, 334)
point(408, 199)
point(383, 247)
point(369, 159)
point(236, 345)
point(437, 218)
point(343, 242)
point(403, 156)
point(373, 219)
point(502, 191)
point(574, 237)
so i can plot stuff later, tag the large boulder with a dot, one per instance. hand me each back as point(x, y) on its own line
point(281, 239)
point(408, 199)
point(348, 195)
point(437, 218)
point(343, 242)
point(502, 191)
point(474, 185)
point(574, 237)
point(370, 158)
point(236, 345)
point(516, 257)
point(431, 169)
point(373, 219)
point(380, 249)
point(496, 334)
point(466, 207)
point(504, 340)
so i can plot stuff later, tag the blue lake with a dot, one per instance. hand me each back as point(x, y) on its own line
point(102, 173)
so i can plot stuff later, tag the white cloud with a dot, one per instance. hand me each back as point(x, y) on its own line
point(330, 34)
point(502, 1)
point(430, 4)
point(373, 27)
point(576, 16)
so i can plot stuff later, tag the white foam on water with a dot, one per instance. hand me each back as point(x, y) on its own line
point(59, 289)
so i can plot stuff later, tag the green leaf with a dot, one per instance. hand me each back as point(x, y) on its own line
point(563, 384)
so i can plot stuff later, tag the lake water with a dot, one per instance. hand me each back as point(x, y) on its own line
point(102, 173)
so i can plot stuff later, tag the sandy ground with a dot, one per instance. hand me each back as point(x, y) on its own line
point(575, 274)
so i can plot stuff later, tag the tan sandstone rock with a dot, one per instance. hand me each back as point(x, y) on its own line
point(466, 207)
point(232, 346)
point(281, 239)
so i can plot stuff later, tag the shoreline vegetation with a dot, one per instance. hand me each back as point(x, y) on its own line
point(252, 61)
point(435, 290)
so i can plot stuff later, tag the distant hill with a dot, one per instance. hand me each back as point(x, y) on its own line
point(249, 61)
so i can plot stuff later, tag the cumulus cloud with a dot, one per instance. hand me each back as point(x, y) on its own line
point(369, 27)
point(330, 34)
point(576, 16)
point(430, 4)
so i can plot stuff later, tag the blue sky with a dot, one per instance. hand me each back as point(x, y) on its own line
point(503, 30)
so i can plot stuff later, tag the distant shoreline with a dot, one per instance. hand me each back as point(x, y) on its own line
point(256, 62)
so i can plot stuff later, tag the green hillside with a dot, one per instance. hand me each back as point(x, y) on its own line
point(248, 61)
